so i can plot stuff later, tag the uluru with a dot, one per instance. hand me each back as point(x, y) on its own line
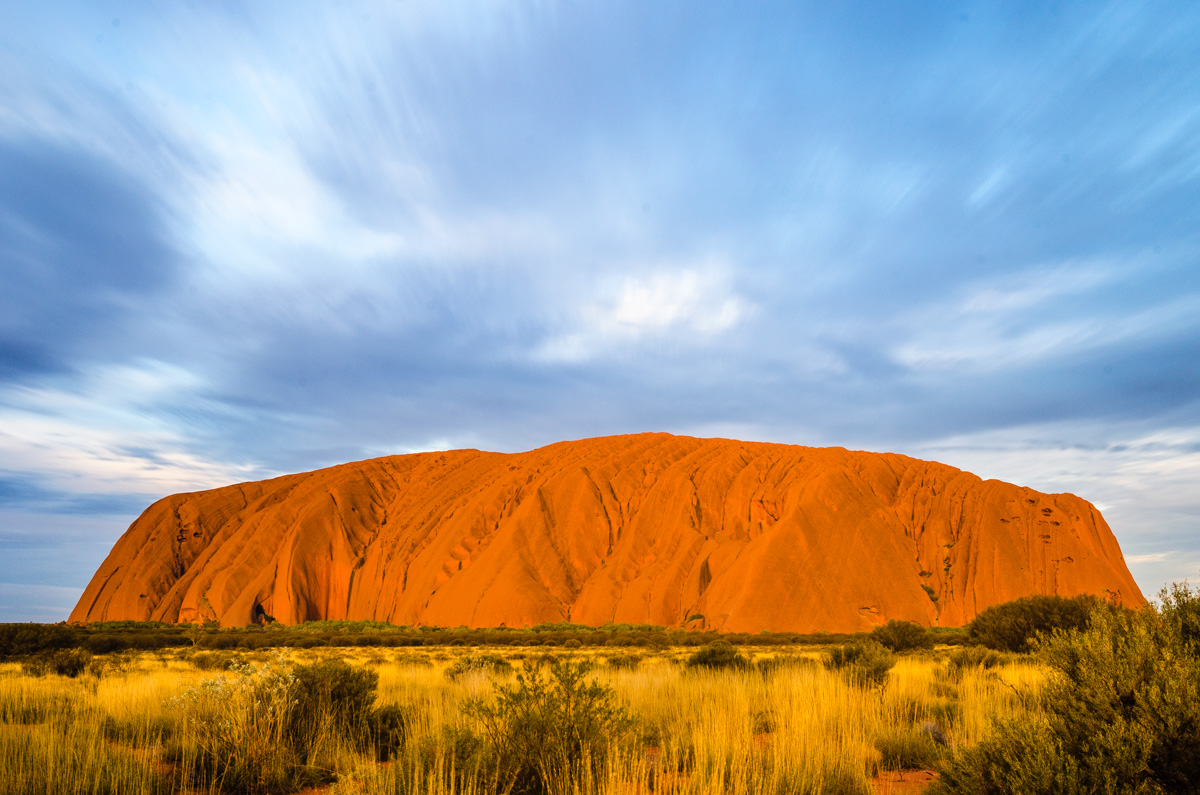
point(642, 529)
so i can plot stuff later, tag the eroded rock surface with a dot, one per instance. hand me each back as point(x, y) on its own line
point(652, 528)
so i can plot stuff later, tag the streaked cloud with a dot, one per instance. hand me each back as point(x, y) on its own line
point(1038, 314)
point(689, 305)
point(108, 432)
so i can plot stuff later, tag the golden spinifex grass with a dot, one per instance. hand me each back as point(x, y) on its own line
point(796, 728)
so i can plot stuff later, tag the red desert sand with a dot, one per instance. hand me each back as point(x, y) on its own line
point(651, 528)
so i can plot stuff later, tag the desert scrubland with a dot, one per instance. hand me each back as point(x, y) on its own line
point(1090, 697)
point(156, 722)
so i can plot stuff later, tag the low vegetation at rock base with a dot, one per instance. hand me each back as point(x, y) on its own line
point(477, 664)
point(717, 656)
point(1110, 704)
point(864, 662)
point(902, 636)
point(23, 641)
point(1014, 626)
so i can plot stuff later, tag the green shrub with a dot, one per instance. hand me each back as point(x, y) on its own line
point(623, 662)
point(212, 660)
point(1013, 626)
point(264, 727)
point(1181, 616)
point(906, 749)
point(478, 663)
point(109, 664)
point(973, 657)
point(233, 734)
point(718, 655)
point(457, 753)
point(24, 640)
point(103, 644)
point(944, 711)
point(1020, 757)
point(71, 662)
point(551, 730)
point(64, 662)
point(902, 636)
point(1120, 714)
point(866, 663)
point(310, 643)
point(388, 729)
point(784, 662)
point(328, 697)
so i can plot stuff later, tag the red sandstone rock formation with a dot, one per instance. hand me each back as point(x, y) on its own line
point(651, 528)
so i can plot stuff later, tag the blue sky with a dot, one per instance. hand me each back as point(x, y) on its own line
point(241, 240)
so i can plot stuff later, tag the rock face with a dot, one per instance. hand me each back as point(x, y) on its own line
point(653, 528)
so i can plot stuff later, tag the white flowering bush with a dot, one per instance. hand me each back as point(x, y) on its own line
point(233, 730)
point(277, 728)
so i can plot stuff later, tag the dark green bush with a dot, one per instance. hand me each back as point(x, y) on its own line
point(109, 664)
point(71, 662)
point(329, 695)
point(717, 655)
point(24, 640)
point(211, 660)
point(549, 731)
point(973, 657)
point(784, 662)
point(866, 663)
point(1013, 626)
point(233, 734)
point(296, 714)
point(1121, 714)
point(902, 636)
point(104, 644)
point(478, 663)
point(310, 643)
point(388, 729)
point(624, 662)
point(906, 749)
point(463, 750)
point(214, 641)
point(64, 662)
point(37, 664)
point(1180, 615)
point(1020, 757)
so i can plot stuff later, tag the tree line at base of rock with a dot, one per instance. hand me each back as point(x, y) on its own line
point(1008, 627)
point(18, 641)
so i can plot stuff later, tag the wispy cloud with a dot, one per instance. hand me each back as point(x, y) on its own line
point(688, 305)
point(117, 431)
point(236, 243)
point(1152, 557)
point(1039, 313)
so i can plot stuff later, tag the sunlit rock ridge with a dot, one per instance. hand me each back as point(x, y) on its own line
point(651, 528)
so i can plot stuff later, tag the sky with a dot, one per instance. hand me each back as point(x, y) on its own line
point(243, 240)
